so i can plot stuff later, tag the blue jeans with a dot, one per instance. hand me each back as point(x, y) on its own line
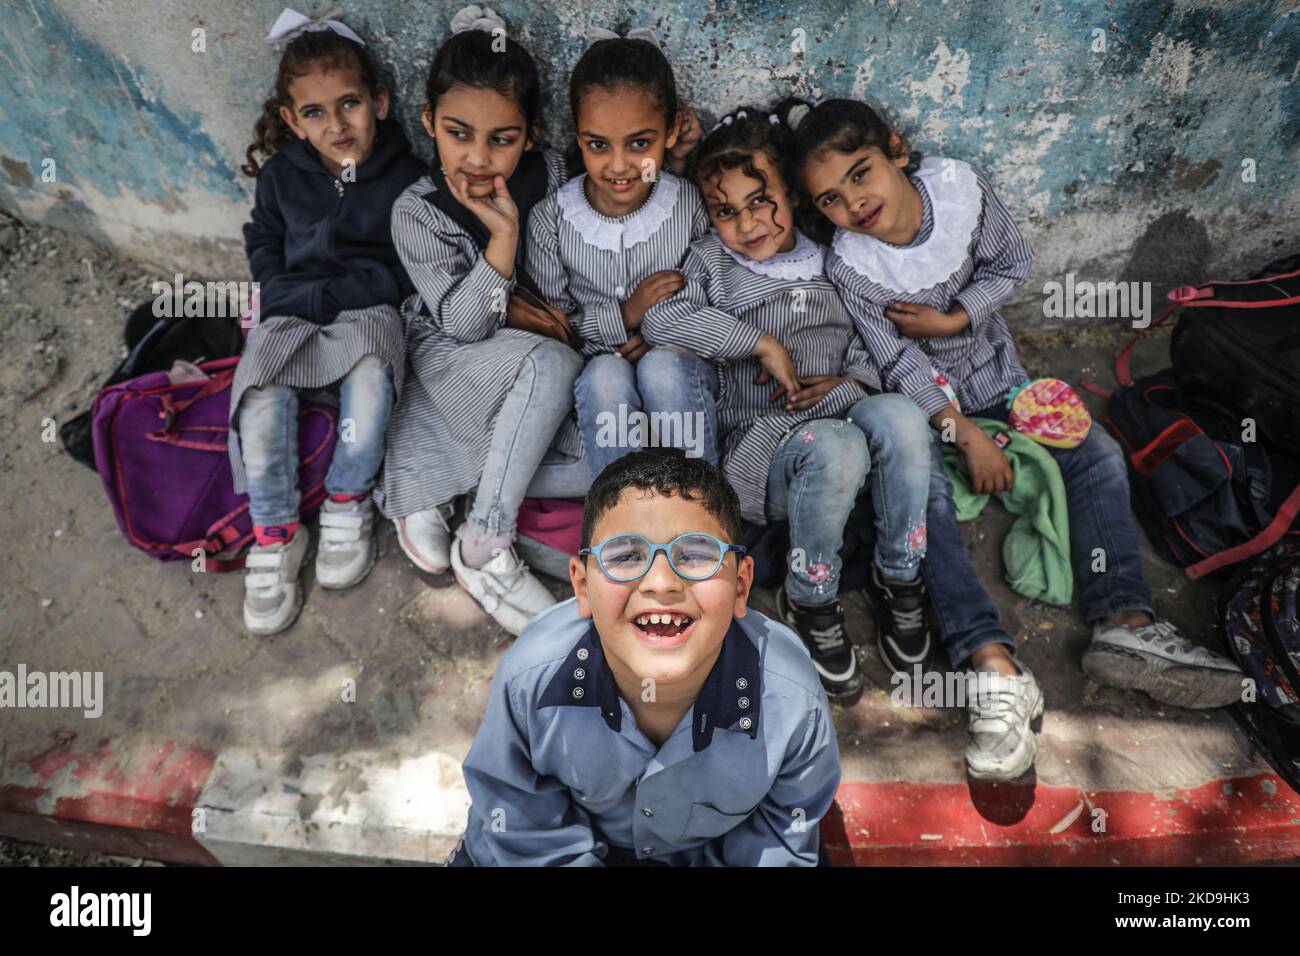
point(268, 441)
point(675, 389)
point(815, 478)
point(1103, 534)
point(530, 414)
point(898, 442)
point(967, 617)
point(813, 481)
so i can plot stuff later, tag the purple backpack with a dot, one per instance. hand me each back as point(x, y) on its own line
point(160, 449)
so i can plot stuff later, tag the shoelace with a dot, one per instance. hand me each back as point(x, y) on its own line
point(828, 639)
point(907, 620)
point(998, 704)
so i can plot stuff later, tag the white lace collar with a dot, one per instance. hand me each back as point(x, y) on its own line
point(805, 261)
point(955, 204)
point(618, 234)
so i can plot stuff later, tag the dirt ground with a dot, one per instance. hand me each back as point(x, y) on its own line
point(178, 665)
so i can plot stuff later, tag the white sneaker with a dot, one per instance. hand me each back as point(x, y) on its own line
point(426, 539)
point(1000, 709)
point(504, 587)
point(346, 551)
point(1157, 659)
point(272, 595)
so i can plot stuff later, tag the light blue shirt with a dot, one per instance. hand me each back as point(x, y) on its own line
point(559, 770)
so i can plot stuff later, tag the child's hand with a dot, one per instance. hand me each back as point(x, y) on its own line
point(634, 348)
point(688, 137)
point(815, 388)
point(918, 321)
point(990, 470)
point(777, 364)
point(550, 322)
point(652, 290)
point(496, 211)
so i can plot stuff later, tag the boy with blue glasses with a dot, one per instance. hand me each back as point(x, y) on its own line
point(653, 718)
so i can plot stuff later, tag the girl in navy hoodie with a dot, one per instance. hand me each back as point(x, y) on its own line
point(329, 281)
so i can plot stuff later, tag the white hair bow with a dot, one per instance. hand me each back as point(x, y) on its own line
point(798, 113)
point(477, 18)
point(291, 24)
point(728, 120)
point(636, 33)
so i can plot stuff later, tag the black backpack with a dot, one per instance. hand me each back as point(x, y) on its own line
point(1236, 350)
point(1259, 623)
point(153, 344)
point(1206, 498)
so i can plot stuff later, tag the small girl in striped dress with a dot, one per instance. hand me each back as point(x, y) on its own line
point(329, 286)
point(607, 245)
point(757, 301)
point(924, 255)
point(493, 371)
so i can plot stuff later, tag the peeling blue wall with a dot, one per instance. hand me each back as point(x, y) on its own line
point(1126, 163)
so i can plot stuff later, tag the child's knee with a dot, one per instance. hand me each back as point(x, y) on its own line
point(666, 362)
point(899, 424)
point(837, 447)
point(556, 362)
point(607, 380)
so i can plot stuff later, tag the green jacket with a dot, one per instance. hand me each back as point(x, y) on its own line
point(1036, 552)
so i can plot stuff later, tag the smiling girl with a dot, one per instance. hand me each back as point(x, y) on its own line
point(607, 245)
point(494, 373)
point(329, 283)
point(925, 254)
point(758, 302)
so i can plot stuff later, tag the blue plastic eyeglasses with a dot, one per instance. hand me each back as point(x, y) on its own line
point(694, 556)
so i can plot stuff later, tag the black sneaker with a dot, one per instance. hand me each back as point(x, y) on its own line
point(902, 631)
point(822, 631)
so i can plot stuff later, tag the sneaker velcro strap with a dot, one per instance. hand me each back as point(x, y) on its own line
point(338, 519)
point(255, 582)
point(263, 560)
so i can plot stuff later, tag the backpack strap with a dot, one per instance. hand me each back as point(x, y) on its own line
point(1122, 373)
point(1270, 536)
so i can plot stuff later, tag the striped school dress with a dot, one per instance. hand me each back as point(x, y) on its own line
point(728, 302)
point(462, 358)
point(288, 350)
point(588, 264)
point(968, 251)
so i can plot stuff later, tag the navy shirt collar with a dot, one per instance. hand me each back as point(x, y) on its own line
point(730, 695)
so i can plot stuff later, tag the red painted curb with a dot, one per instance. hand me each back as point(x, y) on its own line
point(1241, 820)
point(139, 801)
point(133, 802)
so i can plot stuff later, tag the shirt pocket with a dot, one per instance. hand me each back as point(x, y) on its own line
point(706, 822)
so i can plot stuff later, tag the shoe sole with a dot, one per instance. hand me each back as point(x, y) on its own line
point(418, 562)
point(1025, 763)
point(1196, 688)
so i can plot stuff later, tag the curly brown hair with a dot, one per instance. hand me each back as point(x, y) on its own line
point(310, 51)
point(734, 144)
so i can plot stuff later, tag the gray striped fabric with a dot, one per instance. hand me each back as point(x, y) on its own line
point(461, 356)
point(726, 305)
point(980, 362)
point(588, 264)
point(288, 350)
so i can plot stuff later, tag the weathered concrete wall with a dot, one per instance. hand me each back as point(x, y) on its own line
point(1172, 151)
